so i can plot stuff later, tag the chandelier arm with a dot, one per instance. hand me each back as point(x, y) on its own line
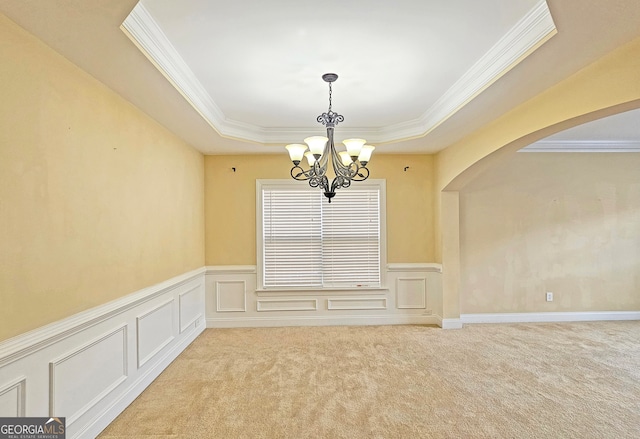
point(361, 174)
point(335, 185)
point(335, 158)
point(321, 181)
point(322, 164)
point(347, 172)
point(301, 174)
point(340, 182)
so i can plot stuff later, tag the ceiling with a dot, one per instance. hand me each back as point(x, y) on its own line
point(253, 68)
point(617, 133)
point(415, 75)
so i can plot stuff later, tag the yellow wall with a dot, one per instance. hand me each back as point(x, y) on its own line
point(608, 86)
point(611, 81)
point(230, 205)
point(97, 200)
point(565, 223)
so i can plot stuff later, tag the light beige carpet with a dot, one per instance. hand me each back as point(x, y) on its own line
point(570, 380)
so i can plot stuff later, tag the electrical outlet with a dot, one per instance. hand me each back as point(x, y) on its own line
point(549, 296)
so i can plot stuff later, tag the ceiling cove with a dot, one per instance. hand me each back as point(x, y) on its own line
point(529, 33)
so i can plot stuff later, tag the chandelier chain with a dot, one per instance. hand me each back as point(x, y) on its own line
point(330, 92)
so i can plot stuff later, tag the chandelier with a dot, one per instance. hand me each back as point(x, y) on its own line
point(348, 166)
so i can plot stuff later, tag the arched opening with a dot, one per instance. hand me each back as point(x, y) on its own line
point(521, 224)
point(560, 216)
point(608, 86)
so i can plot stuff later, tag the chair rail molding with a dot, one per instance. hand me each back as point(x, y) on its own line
point(128, 342)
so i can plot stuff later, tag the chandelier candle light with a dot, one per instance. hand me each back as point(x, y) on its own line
point(348, 166)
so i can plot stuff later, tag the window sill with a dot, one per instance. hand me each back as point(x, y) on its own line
point(320, 291)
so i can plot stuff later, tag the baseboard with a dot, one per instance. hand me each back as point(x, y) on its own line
point(450, 323)
point(550, 317)
point(344, 320)
point(127, 342)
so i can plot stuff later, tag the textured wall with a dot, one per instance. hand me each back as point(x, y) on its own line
point(231, 205)
point(566, 223)
point(608, 86)
point(96, 199)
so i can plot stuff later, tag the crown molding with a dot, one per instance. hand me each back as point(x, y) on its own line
point(535, 28)
point(583, 146)
point(145, 33)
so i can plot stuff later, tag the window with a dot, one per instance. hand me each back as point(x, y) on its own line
point(304, 241)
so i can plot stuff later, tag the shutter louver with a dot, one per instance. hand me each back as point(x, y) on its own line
point(292, 238)
point(308, 242)
point(351, 239)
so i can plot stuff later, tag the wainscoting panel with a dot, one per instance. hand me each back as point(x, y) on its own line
point(364, 303)
point(12, 398)
point(83, 377)
point(191, 309)
point(411, 292)
point(287, 304)
point(92, 365)
point(155, 331)
point(233, 299)
point(231, 296)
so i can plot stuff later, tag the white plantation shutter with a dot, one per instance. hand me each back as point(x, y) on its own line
point(351, 239)
point(292, 237)
point(308, 242)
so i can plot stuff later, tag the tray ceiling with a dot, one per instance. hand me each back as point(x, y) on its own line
point(252, 69)
point(379, 52)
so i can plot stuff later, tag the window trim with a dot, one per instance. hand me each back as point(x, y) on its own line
point(287, 184)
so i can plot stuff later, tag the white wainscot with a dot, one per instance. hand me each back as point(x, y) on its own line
point(412, 295)
point(91, 366)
